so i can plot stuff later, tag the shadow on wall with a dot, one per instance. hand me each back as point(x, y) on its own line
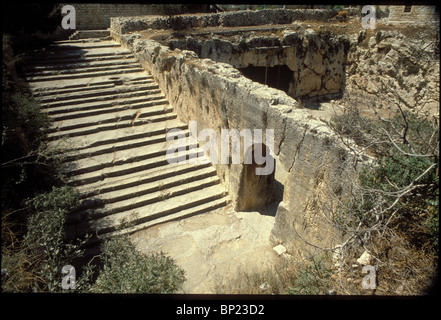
point(278, 77)
point(256, 191)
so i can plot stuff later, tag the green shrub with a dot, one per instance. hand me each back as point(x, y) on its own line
point(392, 180)
point(397, 171)
point(128, 271)
point(46, 240)
point(35, 248)
point(27, 168)
point(313, 279)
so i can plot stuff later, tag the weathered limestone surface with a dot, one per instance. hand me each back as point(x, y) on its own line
point(317, 60)
point(392, 68)
point(217, 96)
point(315, 165)
point(123, 25)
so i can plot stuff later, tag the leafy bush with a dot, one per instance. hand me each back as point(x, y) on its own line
point(393, 207)
point(36, 264)
point(128, 271)
point(34, 249)
point(28, 167)
point(397, 172)
point(314, 278)
point(46, 249)
point(46, 239)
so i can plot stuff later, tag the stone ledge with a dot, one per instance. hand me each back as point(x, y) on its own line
point(124, 25)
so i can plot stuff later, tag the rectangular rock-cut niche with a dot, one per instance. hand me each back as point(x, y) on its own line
point(278, 77)
point(305, 66)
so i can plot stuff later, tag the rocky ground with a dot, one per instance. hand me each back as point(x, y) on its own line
point(212, 247)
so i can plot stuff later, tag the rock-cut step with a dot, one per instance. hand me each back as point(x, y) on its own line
point(85, 74)
point(164, 207)
point(111, 119)
point(66, 96)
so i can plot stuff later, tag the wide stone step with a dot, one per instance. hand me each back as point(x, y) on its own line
point(156, 174)
point(144, 191)
point(126, 200)
point(80, 55)
point(79, 75)
point(89, 34)
point(78, 112)
point(150, 188)
point(102, 90)
point(75, 64)
point(131, 167)
point(129, 142)
point(188, 198)
point(83, 45)
point(67, 84)
point(199, 207)
point(68, 49)
point(100, 104)
point(55, 135)
point(145, 110)
point(74, 69)
point(51, 94)
point(130, 155)
point(80, 58)
point(104, 138)
point(47, 92)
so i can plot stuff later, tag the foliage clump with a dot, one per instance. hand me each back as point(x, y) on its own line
point(128, 271)
point(393, 209)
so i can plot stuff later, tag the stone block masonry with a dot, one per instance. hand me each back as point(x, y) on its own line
point(95, 16)
point(413, 15)
point(225, 19)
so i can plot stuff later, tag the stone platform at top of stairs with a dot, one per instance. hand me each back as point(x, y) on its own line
point(89, 34)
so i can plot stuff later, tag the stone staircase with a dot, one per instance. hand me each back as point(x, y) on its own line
point(112, 119)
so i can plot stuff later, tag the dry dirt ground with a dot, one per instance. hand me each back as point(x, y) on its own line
point(211, 247)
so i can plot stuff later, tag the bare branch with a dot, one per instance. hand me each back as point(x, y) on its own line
point(404, 152)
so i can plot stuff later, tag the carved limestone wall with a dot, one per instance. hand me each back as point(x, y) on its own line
point(316, 166)
point(225, 19)
point(217, 96)
point(317, 59)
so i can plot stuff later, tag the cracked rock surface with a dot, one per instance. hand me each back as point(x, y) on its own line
point(212, 247)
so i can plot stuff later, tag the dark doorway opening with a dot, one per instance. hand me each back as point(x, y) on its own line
point(256, 186)
point(277, 77)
